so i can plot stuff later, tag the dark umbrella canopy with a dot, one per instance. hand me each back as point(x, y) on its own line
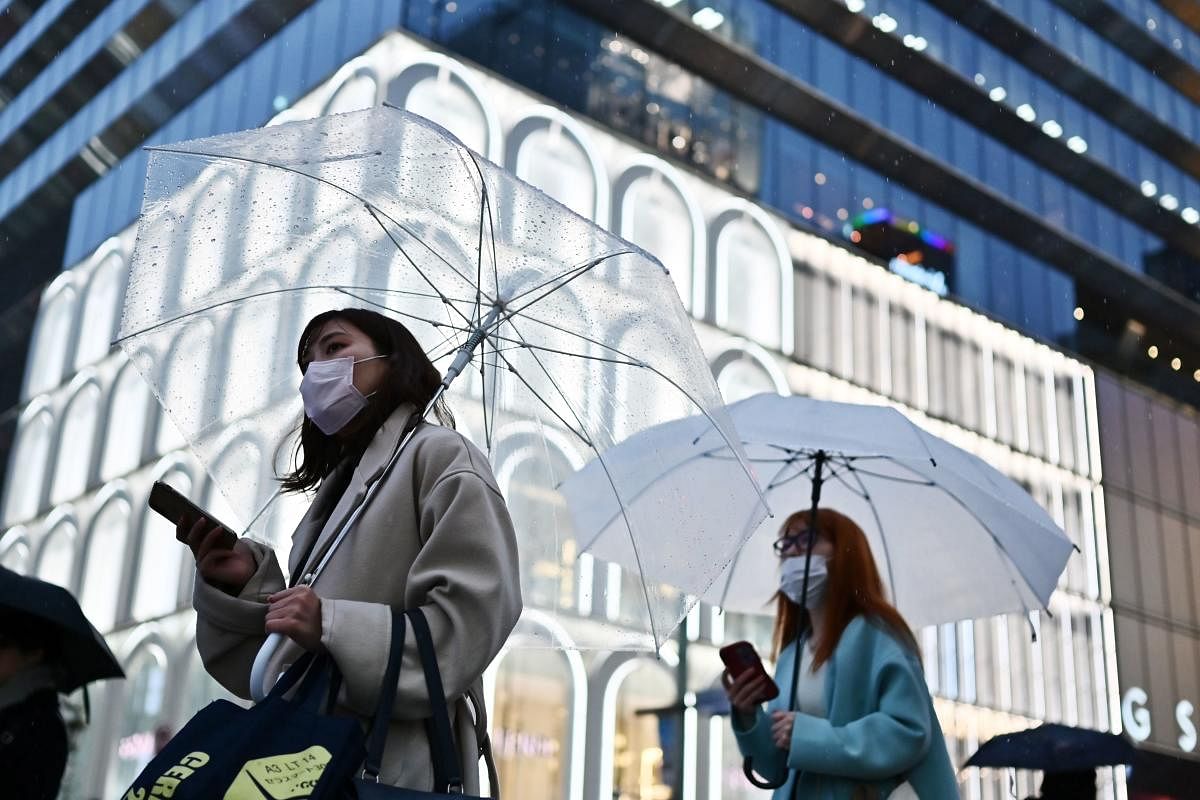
point(77, 647)
point(1054, 748)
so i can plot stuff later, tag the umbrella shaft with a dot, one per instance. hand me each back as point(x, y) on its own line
point(463, 357)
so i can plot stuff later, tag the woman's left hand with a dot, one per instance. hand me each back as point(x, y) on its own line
point(781, 728)
point(296, 613)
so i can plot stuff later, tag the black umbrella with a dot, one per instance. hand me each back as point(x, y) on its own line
point(75, 645)
point(1054, 748)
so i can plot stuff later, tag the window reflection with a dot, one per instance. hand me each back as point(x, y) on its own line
point(104, 565)
point(56, 558)
point(641, 765)
point(72, 466)
point(24, 496)
point(49, 356)
point(530, 723)
point(141, 713)
point(440, 94)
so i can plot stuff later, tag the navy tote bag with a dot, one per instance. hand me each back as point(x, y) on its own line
point(447, 769)
point(279, 748)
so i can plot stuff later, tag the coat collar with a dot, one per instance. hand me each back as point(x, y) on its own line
point(328, 511)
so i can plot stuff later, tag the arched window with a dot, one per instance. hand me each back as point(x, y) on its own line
point(52, 343)
point(654, 214)
point(161, 559)
point(14, 550)
point(357, 92)
point(531, 722)
point(640, 740)
point(741, 374)
point(73, 463)
point(750, 267)
point(440, 90)
point(56, 557)
point(200, 688)
point(235, 495)
point(549, 154)
point(129, 406)
point(24, 497)
point(104, 564)
point(246, 386)
point(100, 310)
point(186, 372)
point(140, 715)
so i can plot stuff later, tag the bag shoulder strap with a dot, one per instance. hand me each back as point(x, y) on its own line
point(387, 698)
point(447, 770)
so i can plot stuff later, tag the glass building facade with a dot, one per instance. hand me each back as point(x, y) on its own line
point(771, 227)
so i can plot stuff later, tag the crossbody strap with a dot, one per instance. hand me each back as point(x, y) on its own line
point(447, 770)
point(387, 698)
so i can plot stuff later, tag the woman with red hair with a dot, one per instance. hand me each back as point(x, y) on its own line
point(863, 724)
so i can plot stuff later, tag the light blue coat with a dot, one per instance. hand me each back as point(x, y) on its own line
point(881, 728)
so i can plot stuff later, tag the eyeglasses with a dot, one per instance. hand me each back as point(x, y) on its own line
point(793, 541)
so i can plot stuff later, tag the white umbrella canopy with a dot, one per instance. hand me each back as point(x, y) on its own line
point(574, 339)
point(954, 538)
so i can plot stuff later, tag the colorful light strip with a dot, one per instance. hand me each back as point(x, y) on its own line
point(877, 215)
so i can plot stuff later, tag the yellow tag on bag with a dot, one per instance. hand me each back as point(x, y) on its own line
point(283, 777)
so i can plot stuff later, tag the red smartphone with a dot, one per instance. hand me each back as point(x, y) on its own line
point(175, 507)
point(740, 657)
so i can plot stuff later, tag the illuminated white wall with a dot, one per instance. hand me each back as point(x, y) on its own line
point(777, 309)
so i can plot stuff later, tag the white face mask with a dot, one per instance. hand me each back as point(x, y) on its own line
point(330, 399)
point(791, 580)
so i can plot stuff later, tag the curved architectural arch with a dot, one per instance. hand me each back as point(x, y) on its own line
point(564, 645)
point(54, 337)
point(55, 560)
point(772, 333)
point(445, 72)
point(15, 551)
point(102, 573)
point(757, 358)
point(347, 85)
point(609, 676)
point(647, 167)
point(186, 366)
point(102, 302)
point(128, 421)
point(159, 561)
point(558, 124)
point(75, 452)
point(27, 487)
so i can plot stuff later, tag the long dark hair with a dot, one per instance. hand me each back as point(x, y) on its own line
point(855, 589)
point(411, 378)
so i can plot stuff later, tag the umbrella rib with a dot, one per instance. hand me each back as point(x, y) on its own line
point(995, 542)
point(887, 554)
point(254, 296)
point(369, 205)
point(483, 392)
point(520, 344)
point(732, 565)
point(574, 274)
point(445, 300)
point(431, 322)
point(485, 204)
point(637, 555)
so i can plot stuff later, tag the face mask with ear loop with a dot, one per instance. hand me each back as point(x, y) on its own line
point(330, 399)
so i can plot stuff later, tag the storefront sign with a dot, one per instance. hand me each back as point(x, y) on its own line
point(1135, 714)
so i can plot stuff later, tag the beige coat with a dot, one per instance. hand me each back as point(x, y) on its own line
point(436, 535)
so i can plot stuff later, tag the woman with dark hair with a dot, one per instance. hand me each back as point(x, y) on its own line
point(436, 535)
point(864, 724)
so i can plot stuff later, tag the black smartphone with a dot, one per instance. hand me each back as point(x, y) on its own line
point(740, 657)
point(175, 507)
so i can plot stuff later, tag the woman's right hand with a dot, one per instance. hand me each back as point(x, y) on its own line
point(229, 569)
point(747, 691)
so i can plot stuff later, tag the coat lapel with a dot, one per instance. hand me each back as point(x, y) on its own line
point(331, 507)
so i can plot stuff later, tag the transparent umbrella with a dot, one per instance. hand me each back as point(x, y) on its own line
point(568, 339)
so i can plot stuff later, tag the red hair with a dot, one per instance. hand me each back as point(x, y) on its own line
point(855, 589)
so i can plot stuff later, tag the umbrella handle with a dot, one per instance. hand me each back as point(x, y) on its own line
point(258, 672)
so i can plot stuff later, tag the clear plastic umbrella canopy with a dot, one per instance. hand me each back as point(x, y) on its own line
point(580, 340)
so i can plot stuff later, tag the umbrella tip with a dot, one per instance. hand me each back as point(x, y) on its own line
point(933, 461)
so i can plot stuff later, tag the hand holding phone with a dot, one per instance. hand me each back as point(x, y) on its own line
point(748, 684)
point(221, 557)
point(185, 515)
